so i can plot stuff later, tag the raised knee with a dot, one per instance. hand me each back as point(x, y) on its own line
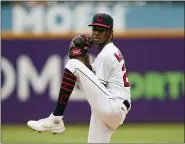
point(72, 64)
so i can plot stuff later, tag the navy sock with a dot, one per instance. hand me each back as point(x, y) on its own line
point(67, 86)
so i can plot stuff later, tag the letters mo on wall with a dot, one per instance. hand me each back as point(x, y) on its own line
point(62, 19)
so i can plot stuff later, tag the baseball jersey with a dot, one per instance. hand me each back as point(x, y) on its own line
point(109, 67)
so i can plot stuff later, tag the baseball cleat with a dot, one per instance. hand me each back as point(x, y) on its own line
point(52, 124)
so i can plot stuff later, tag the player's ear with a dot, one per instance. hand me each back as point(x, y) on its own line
point(111, 34)
point(111, 31)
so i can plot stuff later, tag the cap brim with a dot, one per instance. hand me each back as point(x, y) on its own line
point(101, 25)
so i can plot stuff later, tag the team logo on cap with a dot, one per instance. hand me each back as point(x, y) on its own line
point(99, 18)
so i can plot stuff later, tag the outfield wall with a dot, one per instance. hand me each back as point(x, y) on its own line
point(32, 66)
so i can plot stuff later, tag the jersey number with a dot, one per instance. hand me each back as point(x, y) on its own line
point(125, 79)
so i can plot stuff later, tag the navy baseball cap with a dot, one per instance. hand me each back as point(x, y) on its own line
point(102, 20)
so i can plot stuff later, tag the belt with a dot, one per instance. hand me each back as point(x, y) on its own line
point(127, 104)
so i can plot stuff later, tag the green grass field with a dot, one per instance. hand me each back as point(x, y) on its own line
point(78, 133)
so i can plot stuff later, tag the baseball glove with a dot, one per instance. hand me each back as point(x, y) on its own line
point(80, 45)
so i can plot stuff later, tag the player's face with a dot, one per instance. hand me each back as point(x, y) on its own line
point(99, 34)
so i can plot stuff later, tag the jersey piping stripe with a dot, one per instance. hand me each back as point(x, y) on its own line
point(93, 82)
point(103, 81)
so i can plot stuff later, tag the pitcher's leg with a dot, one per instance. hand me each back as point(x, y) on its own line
point(96, 94)
point(98, 131)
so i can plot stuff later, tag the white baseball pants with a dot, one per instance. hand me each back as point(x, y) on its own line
point(107, 114)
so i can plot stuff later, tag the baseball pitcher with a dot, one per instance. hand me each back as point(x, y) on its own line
point(104, 83)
